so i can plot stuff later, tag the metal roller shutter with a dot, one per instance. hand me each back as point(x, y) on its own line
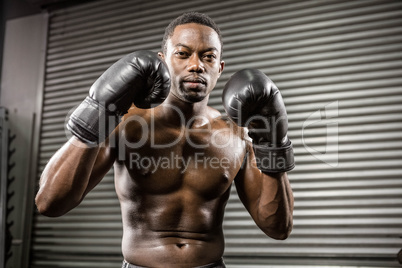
point(339, 67)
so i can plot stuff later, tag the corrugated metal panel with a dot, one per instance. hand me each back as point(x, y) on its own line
point(339, 67)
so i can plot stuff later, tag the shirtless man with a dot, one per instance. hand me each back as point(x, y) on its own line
point(175, 163)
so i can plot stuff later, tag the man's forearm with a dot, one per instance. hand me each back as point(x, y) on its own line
point(65, 178)
point(275, 206)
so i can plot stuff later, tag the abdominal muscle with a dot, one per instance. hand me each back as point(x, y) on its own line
point(171, 237)
point(177, 229)
point(172, 249)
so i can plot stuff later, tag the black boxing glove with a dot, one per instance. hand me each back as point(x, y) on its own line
point(252, 100)
point(140, 77)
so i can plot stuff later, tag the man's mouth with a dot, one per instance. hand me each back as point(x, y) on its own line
point(194, 82)
point(200, 81)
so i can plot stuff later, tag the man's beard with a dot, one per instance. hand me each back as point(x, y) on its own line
point(191, 96)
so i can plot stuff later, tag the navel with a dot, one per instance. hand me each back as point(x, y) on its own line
point(181, 245)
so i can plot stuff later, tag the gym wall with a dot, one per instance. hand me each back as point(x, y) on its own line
point(21, 95)
point(338, 65)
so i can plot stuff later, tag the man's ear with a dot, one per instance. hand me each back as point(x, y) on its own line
point(161, 55)
point(221, 66)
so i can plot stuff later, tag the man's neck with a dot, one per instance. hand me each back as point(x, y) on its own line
point(182, 111)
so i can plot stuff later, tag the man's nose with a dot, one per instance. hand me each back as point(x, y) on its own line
point(195, 64)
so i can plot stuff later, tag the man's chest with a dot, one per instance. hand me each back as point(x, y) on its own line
point(204, 160)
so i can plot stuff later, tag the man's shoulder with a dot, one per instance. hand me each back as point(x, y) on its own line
point(223, 121)
point(136, 112)
point(216, 117)
point(134, 122)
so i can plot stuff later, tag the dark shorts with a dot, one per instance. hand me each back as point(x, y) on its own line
point(218, 264)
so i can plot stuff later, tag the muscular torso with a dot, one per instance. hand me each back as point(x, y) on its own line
point(173, 181)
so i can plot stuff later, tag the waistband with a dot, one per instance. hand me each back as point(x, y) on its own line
point(217, 264)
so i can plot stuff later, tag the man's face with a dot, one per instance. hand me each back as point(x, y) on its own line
point(193, 57)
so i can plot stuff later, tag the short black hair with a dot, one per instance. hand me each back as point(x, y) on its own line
point(190, 17)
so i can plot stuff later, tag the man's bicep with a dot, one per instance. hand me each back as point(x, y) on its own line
point(248, 182)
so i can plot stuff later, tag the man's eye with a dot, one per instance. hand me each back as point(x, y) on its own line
point(210, 56)
point(181, 53)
